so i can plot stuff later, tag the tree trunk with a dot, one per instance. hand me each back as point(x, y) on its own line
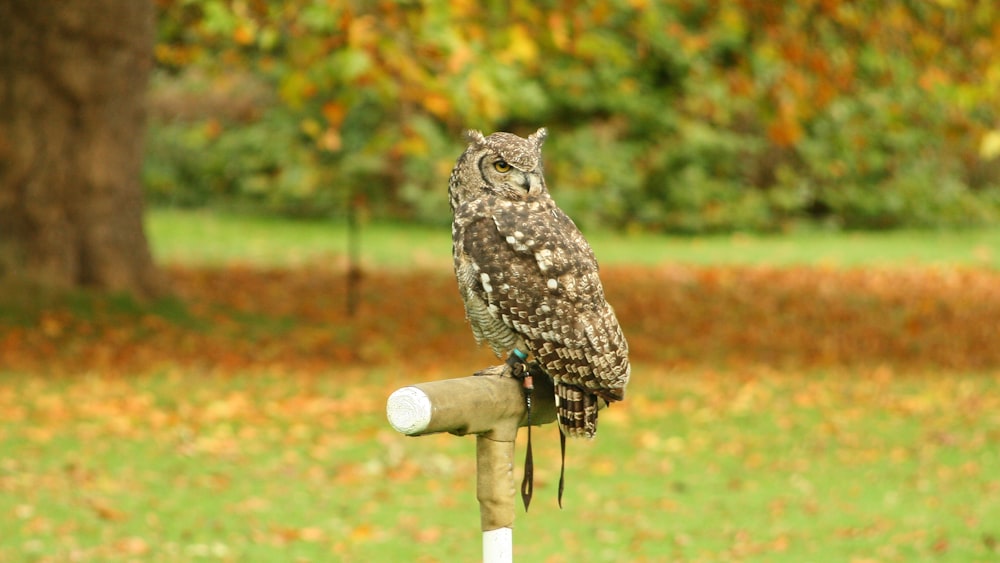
point(73, 78)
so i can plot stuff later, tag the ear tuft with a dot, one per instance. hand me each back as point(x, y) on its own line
point(475, 137)
point(538, 137)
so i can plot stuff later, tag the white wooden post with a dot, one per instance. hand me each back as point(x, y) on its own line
point(493, 408)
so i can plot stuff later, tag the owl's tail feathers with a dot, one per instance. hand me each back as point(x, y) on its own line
point(576, 411)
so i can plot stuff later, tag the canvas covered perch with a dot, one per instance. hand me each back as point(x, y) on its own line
point(493, 408)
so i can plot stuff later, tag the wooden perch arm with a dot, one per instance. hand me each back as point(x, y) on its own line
point(479, 404)
point(492, 407)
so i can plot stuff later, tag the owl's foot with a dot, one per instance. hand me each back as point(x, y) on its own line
point(515, 367)
point(502, 370)
point(517, 362)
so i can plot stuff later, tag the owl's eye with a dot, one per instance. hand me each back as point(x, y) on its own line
point(501, 166)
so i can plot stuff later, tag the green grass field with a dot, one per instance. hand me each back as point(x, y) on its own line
point(209, 238)
point(190, 462)
point(698, 466)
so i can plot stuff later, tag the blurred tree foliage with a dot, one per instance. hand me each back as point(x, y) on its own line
point(685, 116)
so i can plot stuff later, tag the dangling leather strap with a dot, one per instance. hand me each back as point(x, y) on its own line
point(562, 463)
point(520, 370)
point(528, 482)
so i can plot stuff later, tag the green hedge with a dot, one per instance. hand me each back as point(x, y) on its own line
point(695, 117)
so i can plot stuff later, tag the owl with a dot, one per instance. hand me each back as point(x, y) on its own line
point(529, 279)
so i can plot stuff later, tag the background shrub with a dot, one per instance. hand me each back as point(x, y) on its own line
point(713, 115)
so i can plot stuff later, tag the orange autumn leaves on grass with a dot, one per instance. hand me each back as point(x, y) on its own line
point(911, 318)
point(240, 318)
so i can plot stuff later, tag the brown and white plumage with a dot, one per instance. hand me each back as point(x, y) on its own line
point(529, 279)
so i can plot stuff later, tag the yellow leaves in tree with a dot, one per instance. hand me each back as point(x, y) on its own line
point(785, 130)
point(363, 32)
point(559, 30)
point(460, 57)
point(333, 112)
point(175, 55)
point(989, 147)
point(437, 104)
point(521, 47)
point(933, 77)
point(296, 88)
point(244, 34)
point(485, 95)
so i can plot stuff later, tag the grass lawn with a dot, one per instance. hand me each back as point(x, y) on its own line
point(209, 238)
point(246, 422)
point(697, 466)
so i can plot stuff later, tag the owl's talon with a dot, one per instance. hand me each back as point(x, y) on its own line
point(501, 371)
point(517, 364)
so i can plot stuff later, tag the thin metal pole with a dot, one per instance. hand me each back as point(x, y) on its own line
point(353, 255)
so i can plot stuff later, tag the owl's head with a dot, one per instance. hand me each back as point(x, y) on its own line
point(503, 164)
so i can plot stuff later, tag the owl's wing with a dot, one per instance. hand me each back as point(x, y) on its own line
point(550, 236)
point(538, 275)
